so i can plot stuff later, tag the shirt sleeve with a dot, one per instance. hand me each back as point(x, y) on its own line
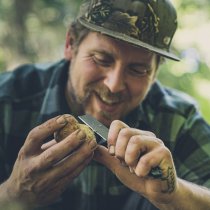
point(4, 131)
point(192, 150)
point(2, 154)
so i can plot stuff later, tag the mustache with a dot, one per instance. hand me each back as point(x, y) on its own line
point(103, 92)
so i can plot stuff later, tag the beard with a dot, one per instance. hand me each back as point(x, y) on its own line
point(79, 99)
point(75, 101)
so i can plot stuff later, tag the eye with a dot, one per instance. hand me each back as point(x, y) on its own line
point(138, 71)
point(102, 60)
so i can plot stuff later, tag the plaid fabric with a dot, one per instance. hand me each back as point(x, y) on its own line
point(34, 93)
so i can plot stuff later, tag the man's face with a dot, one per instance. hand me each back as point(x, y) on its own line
point(109, 78)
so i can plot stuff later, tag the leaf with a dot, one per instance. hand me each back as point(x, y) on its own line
point(123, 23)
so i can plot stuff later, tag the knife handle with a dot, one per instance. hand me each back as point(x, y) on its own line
point(156, 172)
point(100, 140)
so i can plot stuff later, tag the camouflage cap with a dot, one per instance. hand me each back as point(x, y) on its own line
point(150, 24)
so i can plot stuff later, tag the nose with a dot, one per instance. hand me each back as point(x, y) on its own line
point(115, 80)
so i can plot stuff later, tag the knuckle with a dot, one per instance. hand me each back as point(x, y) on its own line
point(150, 133)
point(22, 154)
point(119, 155)
point(32, 134)
point(134, 140)
point(118, 124)
point(115, 122)
point(28, 171)
point(86, 150)
point(123, 131)
point(162, 149)
point(159, 141)
point(144, 161)
point(48, 157)
point(165, 151)
point(70, 118)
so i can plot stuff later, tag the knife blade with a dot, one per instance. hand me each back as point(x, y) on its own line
point(102, 131)
point(97, 127)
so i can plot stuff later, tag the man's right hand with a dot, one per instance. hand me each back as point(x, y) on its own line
point(41, 173)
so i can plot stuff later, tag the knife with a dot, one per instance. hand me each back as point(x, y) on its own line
point(102, 132)
point(97, 127)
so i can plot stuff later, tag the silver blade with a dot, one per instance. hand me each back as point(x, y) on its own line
point(96, 126)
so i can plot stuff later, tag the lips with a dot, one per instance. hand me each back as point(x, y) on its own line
point(108, 104)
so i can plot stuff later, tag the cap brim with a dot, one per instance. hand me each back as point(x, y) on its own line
point(128, 39)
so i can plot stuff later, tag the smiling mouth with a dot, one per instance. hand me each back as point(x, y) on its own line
point(109, 107)
point(108, 100)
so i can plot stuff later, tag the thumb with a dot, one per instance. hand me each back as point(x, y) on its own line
point(101, 155)
point(122, 172)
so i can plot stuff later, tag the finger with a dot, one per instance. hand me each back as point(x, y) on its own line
point(71, 162)
point(36, 137)
point(48, 144)
point(102, 156)
point(138, 146)
point(124, 137)
point(64, 180)
point(122, 142)
point(159, 157)
point(146, 133)
point(151, 160)
point(60, 150)
point(114, 130)
point(52, 191)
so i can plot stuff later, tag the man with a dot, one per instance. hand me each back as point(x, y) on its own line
point(112, 54)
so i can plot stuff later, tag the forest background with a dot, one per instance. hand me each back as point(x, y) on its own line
point(34, 31)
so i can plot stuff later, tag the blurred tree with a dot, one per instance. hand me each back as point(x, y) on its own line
point(18, 27)
point(32, 31)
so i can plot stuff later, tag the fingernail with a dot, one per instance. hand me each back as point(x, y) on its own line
point(131, 169)
point(61, 120)
point(112, 150)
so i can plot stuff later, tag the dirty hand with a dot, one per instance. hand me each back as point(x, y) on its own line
point(132, 154)
point(43, 171)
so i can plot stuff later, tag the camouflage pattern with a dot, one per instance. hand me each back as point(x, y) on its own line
point(146, 23)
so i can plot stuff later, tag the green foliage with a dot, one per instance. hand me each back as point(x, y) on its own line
point(34, 31)
point(196, 83)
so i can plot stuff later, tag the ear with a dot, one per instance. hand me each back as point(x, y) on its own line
point(68, 51)
point(154, 77)
point(157, 57)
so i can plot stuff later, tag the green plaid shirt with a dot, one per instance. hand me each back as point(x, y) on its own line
point(34, 93)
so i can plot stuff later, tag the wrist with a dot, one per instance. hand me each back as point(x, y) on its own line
point(9, 198)
point(171, 201)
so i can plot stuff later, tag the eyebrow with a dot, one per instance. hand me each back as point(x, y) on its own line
point(141, 64)
point(111, 56)
point(108, 54)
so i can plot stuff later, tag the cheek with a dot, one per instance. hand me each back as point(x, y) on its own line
point(83, 74)
point(88, 70)
point(139, 89)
